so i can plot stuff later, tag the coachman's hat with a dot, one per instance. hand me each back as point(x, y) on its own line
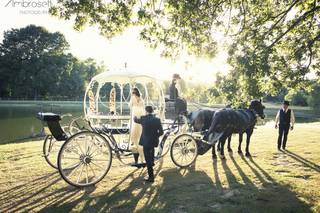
point(286, 103)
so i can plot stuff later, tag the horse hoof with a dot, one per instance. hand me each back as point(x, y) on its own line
point(222, 157)
point(229, 150)
point(240, 152)
point(248, 154)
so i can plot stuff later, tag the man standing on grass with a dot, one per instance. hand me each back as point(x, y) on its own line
point(151, 131)
point(285, 121)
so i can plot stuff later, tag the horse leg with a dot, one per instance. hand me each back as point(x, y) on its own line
point(223, 141)
point(240, 141)
point(214, 155)
point(229, 141)
point(248, 143)
point(219, 146)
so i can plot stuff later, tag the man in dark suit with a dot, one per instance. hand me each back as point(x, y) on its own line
point(151, 131)
point(285, 121)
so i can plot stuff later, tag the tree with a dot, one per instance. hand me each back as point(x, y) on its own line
point(273, 43)
point(34, 64)
point(235, 89)
point(314, 99)
point(29, 57)
point(299, 97)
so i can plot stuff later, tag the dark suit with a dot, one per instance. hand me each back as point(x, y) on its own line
point(284, 125)
point(151, 131)
point(173, 92)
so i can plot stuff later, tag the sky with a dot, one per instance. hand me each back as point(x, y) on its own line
point(114, 53)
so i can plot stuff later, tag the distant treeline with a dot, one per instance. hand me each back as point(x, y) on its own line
point(35, 64)
point(225, 92)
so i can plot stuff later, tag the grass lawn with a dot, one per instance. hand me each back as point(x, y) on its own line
point(270, 181)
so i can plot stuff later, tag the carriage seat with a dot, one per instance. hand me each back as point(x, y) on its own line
point(175, 107)
point(51, 123)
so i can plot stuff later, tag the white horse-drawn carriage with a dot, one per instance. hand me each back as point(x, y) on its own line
point(83, 154)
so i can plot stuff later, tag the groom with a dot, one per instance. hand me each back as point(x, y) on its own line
point(151, 131)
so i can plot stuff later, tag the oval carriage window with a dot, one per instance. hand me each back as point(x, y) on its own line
point(107, 98)
point(126, 93)
point(91, 95)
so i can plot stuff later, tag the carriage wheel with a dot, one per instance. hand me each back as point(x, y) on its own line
point(85, 159)
point(77, 125)
point(184, 150)
point(51, 149)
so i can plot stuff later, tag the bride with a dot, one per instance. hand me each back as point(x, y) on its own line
point(137, 110)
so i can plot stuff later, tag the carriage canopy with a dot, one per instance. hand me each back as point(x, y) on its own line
point(108, 95)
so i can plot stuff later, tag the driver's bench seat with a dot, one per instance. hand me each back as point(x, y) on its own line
point(51, 122)
point(175, 107)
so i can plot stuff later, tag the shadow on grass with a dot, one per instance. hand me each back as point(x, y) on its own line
point(34, 193)
point(303, 161)
point(176, 190)
point(195, 191)
point(116, 198)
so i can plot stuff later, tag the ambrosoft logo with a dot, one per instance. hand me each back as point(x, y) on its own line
point(29, 4)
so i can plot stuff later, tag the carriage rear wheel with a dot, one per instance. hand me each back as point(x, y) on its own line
point(51, 149)
point(184, 150)
point(85, 159)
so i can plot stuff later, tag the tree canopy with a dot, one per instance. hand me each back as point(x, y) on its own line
point(271, 43)
point(35, 63)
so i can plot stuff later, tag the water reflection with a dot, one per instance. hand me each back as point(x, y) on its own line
point(18, 120)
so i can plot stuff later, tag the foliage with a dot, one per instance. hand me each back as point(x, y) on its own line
point(34, 63)
point(299, 98)
point(314, 99)
point(196, 93)
point(235, 89)
point(278, 97)
point(271, 43)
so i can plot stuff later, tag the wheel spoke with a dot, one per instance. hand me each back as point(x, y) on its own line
point(80, 168)
point(73, 166)
point(80, 173)
point(70, 158)
point(189, 156)
point(79, 147)
point(183, 158)
point(76, 168)
point(97, 165)
point(87, 179)
point(97, 148)
point(94, 174)
point(180, 144)
point(86, 146)
point(72, 150)
point(100, 159)
point(179, 156)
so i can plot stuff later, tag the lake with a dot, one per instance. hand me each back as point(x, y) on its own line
point(18, 118)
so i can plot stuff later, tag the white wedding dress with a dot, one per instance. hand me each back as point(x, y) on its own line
point(137, 110)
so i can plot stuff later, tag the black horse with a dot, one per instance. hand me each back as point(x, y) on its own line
point(201, 120)
point(225, 122)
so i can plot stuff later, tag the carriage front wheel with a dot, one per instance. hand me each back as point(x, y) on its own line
point(85, 159)
point(184, 150)
point(51, 149)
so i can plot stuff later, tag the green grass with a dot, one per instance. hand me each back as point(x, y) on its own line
point(270, 181)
